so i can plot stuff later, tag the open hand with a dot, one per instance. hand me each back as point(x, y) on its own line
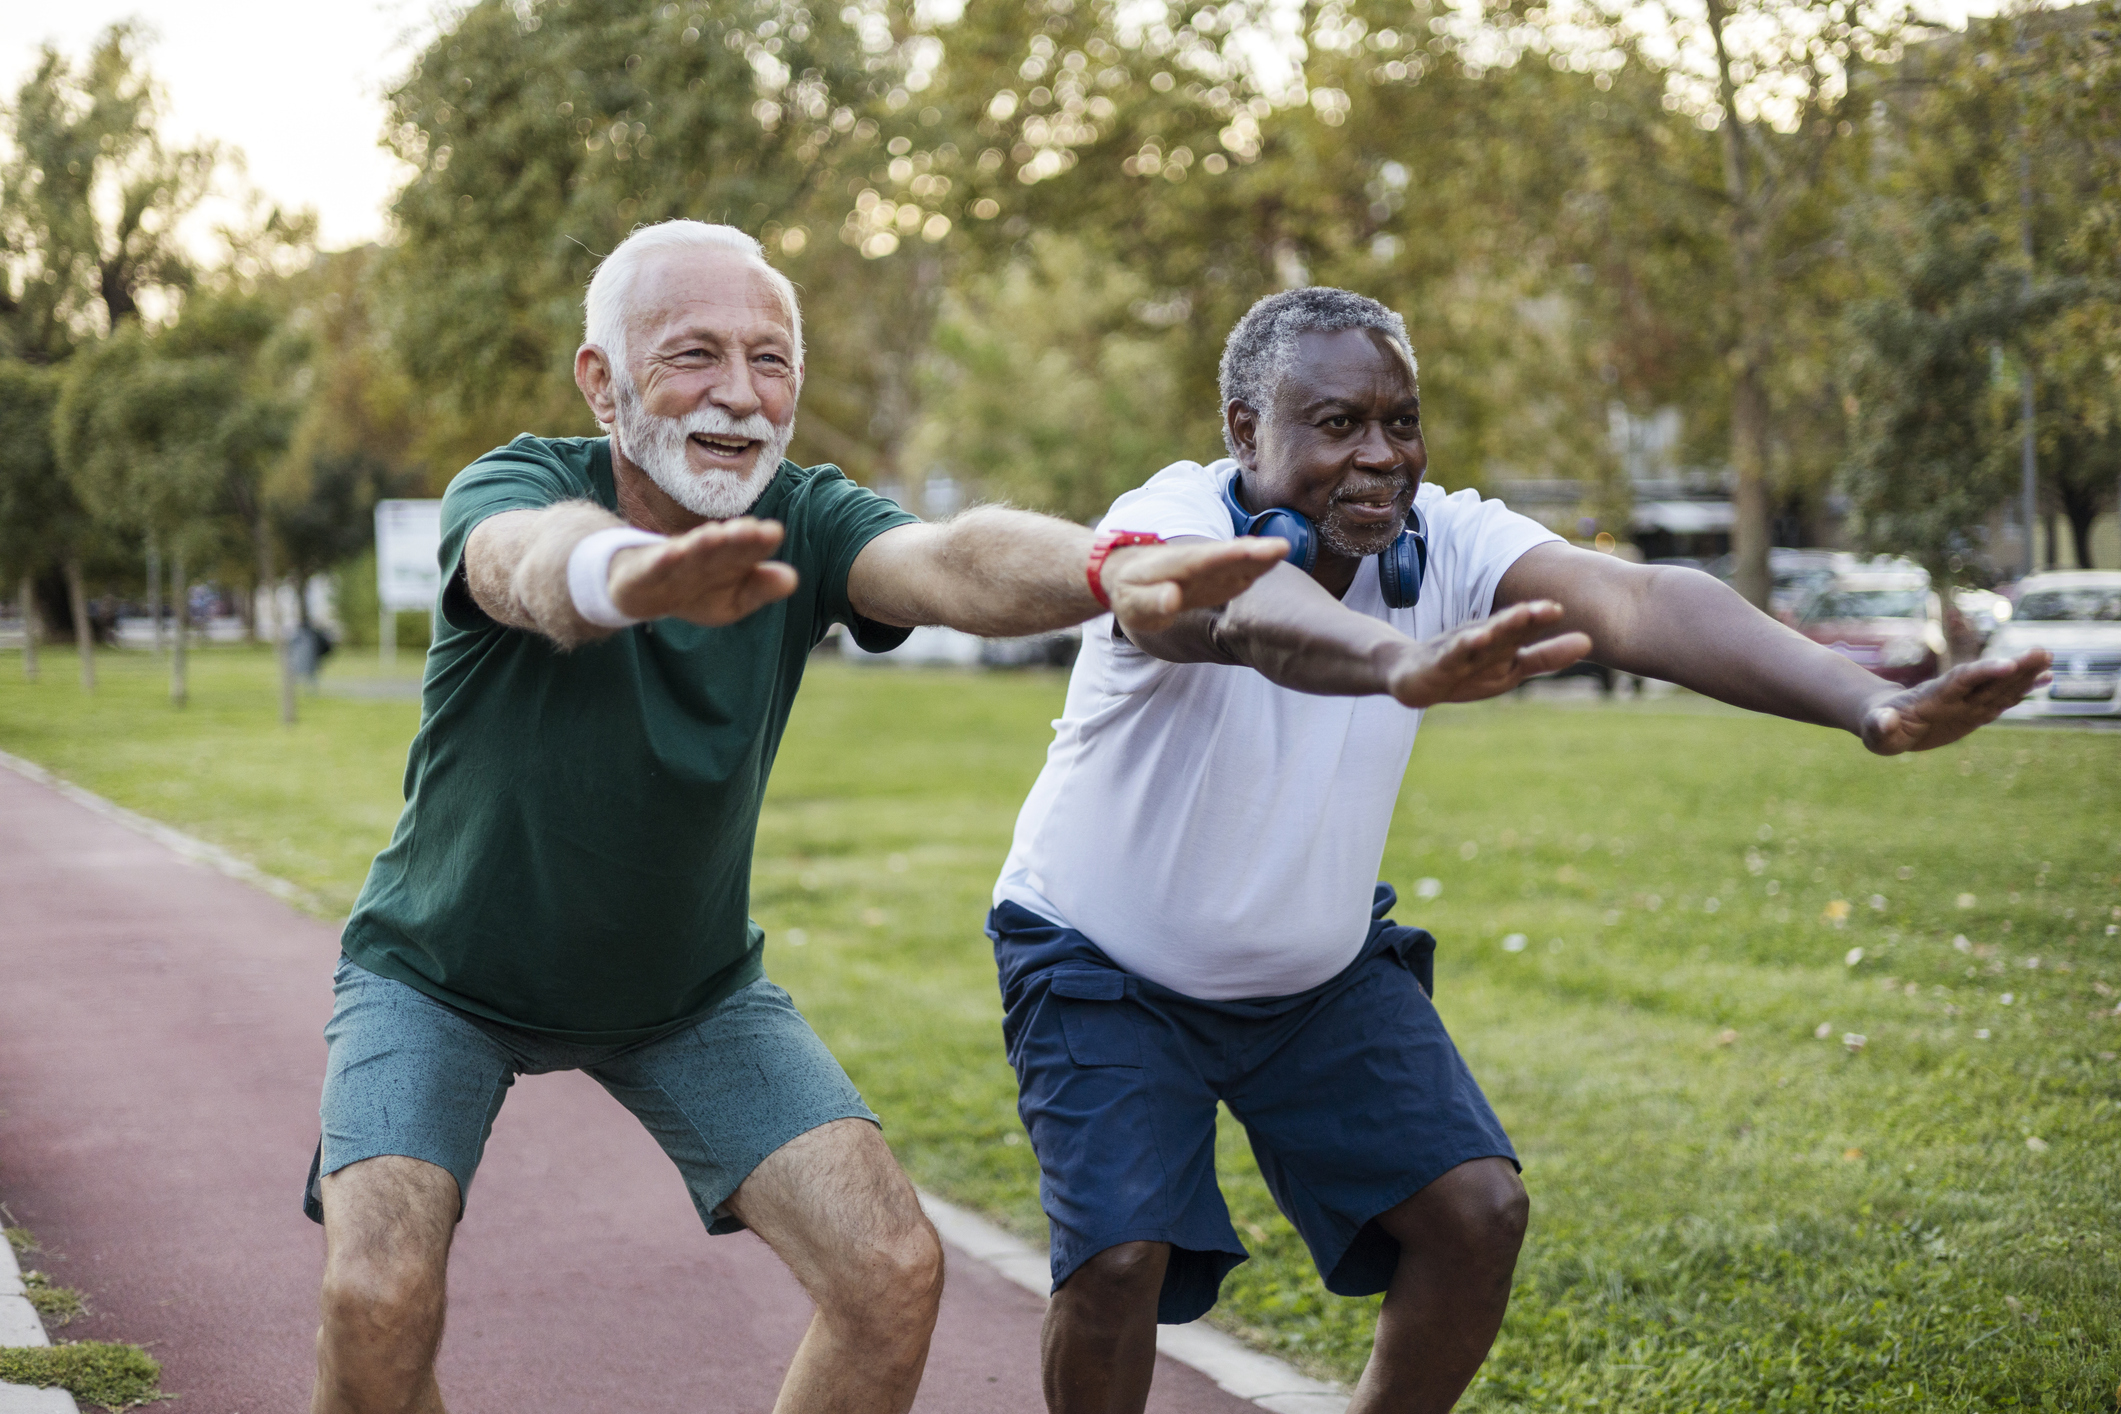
point(1944, 709)
point(713, 574)
point(1484, 659)
point(1150, 585)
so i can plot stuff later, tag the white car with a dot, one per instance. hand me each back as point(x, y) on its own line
point(2077, 617)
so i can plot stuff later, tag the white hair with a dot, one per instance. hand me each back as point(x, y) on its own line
point(608, 305)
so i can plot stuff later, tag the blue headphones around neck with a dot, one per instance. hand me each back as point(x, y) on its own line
point(1400, 565)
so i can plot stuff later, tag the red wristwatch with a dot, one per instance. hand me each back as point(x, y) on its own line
point(1107, 541)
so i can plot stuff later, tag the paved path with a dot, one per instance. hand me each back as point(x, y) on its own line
point(160, 1056)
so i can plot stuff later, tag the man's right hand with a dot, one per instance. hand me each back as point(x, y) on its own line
point(1483, 659)
point(713, 574)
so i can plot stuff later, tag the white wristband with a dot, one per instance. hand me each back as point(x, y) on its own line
point(589, 573)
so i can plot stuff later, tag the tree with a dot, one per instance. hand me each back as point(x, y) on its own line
point(543, 131)
point(1928, 460)
point(89, 199)
point(168, 432)
point(41, 522)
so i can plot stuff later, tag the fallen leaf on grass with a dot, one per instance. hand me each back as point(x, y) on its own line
point(1967, 900)
point(2035, 1143)
point(1837, 912)
point(1851, 1156)
point(1823, 1030)
point(1855, 1041)
point(1727, 1037)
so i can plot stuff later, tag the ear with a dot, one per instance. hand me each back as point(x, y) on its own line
point(1244, 433)
point(592, 374)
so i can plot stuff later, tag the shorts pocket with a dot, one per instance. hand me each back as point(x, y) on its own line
point(1095, 1018)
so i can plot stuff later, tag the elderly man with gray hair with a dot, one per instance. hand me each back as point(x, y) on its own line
point(1190, 914)
point(622, 629)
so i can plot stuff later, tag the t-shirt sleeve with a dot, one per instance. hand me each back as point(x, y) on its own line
point(828, 526)
point(514, 478)
point(1473, 542)
point(1184, 499)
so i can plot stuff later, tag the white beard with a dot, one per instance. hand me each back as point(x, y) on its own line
point(656, 445)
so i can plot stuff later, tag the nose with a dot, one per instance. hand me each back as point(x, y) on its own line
point(736, 391)
point(1374, 450)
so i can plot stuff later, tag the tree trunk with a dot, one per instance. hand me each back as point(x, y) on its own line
point(154, 591)
point(2054, 541)
point(267, 593)
point(84, 635)
point(1752, 514)
point(284, 648)
point(1751, 413)
point(26, 600)
point(180, 621)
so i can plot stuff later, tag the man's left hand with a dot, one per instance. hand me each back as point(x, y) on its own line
point(1944, 709)
point(1150, 585)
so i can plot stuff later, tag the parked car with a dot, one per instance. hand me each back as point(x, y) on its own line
point(1795, 576)
point(2077, 617)
point(1886, 620)
point(1981, 613)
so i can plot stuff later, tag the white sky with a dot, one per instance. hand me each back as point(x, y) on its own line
point(296, 85)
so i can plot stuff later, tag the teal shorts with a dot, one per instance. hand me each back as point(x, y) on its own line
point(410, 1076)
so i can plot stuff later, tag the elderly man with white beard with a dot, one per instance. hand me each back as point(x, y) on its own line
point(622, 629)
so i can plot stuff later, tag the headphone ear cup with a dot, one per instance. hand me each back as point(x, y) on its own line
point(1292, 527)
point(1401, 567)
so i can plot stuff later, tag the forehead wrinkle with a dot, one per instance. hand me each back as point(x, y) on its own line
point(673, 288)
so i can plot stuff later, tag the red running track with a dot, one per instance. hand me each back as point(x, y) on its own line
point(161, 1050)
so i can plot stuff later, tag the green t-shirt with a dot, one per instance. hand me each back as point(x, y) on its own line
point(574, 857)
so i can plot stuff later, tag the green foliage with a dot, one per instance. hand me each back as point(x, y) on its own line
point(21, 1239)
point(89, 199)
point(1927, 459)
point(1728, 1213)
point(94, 1371)
point(39, 514)
point(543, 132)
point(1046, 389)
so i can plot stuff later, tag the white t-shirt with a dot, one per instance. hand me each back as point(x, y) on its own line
point(1210, 830)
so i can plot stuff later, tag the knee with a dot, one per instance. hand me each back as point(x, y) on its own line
point(1490, 1214)
point(1131, 1273)
point(897, 1285)
point(393, 1301)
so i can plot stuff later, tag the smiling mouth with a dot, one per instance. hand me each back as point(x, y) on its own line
point(723, 446)
point(1370, 505)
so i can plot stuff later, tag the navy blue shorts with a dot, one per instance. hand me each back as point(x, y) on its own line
point(1352, 1094)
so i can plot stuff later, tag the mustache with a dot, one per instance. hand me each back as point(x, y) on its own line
point(714, 422)
point(1397, 486)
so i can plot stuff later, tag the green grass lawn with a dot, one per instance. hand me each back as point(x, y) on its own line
point(1649, 921)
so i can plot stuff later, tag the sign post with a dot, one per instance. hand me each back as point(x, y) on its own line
point(408, 570)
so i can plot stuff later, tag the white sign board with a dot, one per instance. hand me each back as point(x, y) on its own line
point(408, 544)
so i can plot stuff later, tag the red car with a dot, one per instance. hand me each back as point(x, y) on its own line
point(1885, 620)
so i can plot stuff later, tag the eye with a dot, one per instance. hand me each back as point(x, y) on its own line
point(1340, 422)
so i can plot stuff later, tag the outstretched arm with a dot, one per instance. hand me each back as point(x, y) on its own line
point(1294, 633)
point(1001, 572)
point(1686, 627)
point(516, 566)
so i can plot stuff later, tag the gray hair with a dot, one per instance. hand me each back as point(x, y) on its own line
point(609, 303)
point(1263, 345)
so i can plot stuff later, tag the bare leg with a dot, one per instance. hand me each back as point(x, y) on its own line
point(1458, 1242)
point(1099, 1348)
point(835, 1206)
point(387, 1227)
